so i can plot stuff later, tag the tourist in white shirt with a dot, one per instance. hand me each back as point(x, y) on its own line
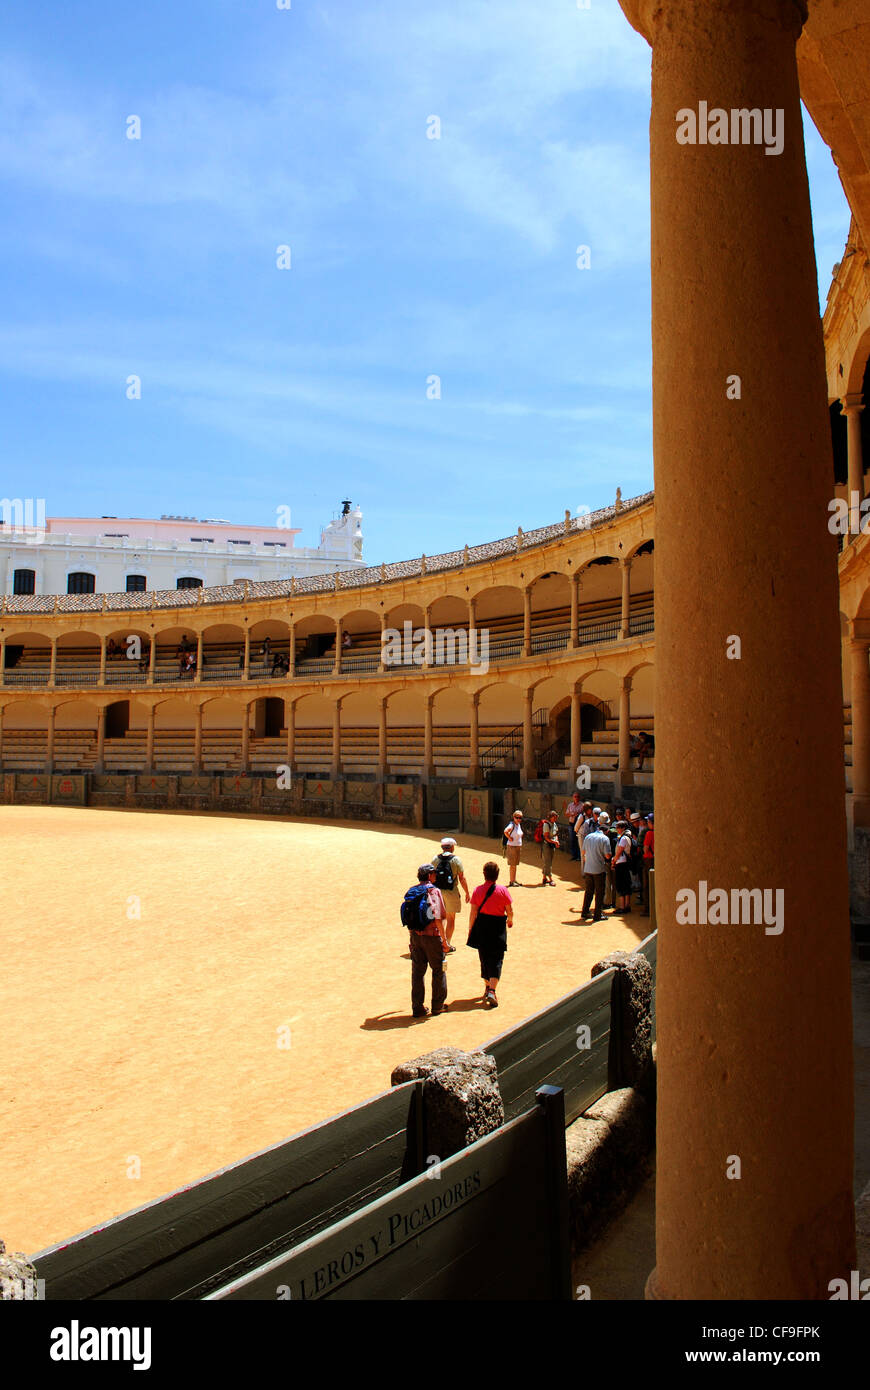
point(513, 835)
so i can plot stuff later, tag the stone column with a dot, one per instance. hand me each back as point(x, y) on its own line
point(103, 660)
point(246, 667)
point(2, 661)
point(49, 743)
point(426, 663)
point(2, 722)
point(52, 669)
point(427, 738)
point(625, 620)
point(528, 747)
point(292, 653)
point(199, 656)
point(152, 658)
point(101, 739)
point(197, 742)
point(472, 624)
point(475, 776)
point(742, 487)
point(574, 639)
point(384, 625)
point(625, 729)
point(858, 654)
point(246, 740)
point(336, 669)
point(382, 740)
point(527, 622)
point(852, 406)
point(290, 717)
point(336, 739)
point(149, 740)
point(576, 737)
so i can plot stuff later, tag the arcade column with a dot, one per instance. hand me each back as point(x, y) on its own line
point(860, 671)
point(754, 1165)
point(852, 406)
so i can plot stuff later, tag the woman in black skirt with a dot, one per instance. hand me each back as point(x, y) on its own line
point(492, 912)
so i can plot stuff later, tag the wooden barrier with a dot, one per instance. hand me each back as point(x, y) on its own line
point(550, 1048)
point(491, 1223)
point(286, 1215)
point(183, 1245)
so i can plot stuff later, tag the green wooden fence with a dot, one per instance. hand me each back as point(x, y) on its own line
point(490, 1223)
point(183, 1245)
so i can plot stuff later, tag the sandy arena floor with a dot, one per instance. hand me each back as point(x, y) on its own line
point(156, 1038)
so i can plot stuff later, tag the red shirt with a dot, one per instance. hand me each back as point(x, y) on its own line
point(497, 903)
point(649, 844)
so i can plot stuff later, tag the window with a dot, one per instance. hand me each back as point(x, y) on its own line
point(80, 583)
point(24, 582)
point(188, 582)
point(281, 544)
point(232, 542)
point(203, 540)
point(136, 584)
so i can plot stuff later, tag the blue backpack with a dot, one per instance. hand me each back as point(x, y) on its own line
point(415, 908)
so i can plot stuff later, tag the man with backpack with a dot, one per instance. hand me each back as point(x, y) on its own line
point(423, 914)
point(449, 873)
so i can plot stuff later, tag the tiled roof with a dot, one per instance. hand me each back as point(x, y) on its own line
point(318, 583)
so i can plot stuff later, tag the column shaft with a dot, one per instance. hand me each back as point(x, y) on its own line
point(382, 740)
point(527, 622)
point(852, 409)
point(427, 739)
point(52, 669)
point(860, 672)
point(49, 743)
point(246, 740)
point(246, 667)
point(574, 639)
point(625, 619)
point(474, 773)
point(197, 742)
point(625, 728)
point(149, 741)
point(740, 551)
point(101, 739)
point(102, 660)
point(528, 747)
point(336, 739)
point(575, 734)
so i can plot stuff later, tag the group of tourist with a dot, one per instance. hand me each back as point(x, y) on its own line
point(429, 910)
point(616, 858)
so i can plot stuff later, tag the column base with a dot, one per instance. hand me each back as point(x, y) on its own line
point(651, 1291)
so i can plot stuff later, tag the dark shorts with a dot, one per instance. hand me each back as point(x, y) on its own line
point(622, 879)
point(491, 961)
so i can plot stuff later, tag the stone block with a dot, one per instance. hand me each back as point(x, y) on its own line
point(462, 1101)
point(630, 1060)
point(608, 1150)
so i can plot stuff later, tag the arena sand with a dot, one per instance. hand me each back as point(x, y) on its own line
point(150, 1043)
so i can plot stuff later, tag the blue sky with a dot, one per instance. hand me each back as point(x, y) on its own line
point(411, 257)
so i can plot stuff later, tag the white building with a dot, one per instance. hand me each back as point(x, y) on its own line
point(109, 554)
